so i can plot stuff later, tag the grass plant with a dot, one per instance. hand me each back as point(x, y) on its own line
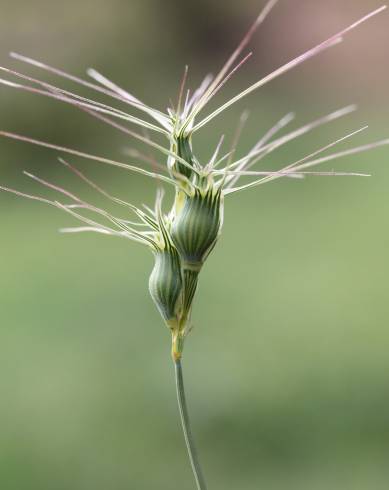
point(181, 236)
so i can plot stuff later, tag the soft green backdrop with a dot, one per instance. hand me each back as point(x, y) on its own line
point(287, 366)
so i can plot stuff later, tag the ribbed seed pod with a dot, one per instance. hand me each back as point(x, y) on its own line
point(166, 285)
point(166, 282)
point(196, 228)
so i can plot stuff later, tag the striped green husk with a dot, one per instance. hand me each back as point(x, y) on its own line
point(190, 286)
point(196, 228)
point(182, 147)
point(165, 283)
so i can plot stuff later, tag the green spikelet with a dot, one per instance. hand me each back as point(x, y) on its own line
point(196, 228)
point(182, 146)
point(165, 284)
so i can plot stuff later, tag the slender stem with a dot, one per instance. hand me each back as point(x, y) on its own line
point(192, 452)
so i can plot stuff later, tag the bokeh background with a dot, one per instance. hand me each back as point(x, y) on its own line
point(287, 366)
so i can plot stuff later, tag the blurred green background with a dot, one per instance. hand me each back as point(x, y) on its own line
point(287, 366)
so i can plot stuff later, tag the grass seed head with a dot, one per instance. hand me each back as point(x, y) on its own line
point(183, 239)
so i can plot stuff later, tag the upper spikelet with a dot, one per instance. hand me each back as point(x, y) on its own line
point(182, 146)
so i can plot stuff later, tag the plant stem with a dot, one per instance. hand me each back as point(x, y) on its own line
point(192, 452)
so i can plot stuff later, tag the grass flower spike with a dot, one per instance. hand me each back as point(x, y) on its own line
point(181, 237)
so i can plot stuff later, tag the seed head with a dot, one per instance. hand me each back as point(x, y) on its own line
point(181, 240)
